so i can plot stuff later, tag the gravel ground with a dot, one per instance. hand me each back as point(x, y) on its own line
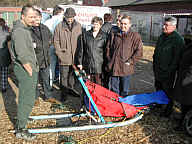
point(151, 129)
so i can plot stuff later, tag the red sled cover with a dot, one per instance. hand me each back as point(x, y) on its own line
point(107, 102)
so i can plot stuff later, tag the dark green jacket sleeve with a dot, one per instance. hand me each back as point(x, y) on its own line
point(22, 44)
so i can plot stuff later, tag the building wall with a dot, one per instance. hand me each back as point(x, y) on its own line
point(148, 25)
point(174, 7)
point(92, 2)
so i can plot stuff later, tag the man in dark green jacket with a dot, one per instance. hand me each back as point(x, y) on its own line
point(25, 68)
point(166, 58)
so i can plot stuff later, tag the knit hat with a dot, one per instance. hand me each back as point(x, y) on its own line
point(69, 13)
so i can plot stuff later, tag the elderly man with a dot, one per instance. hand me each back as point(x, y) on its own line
point(66, 36)
point(123, 50)
point(26, 69)
point(166, 58)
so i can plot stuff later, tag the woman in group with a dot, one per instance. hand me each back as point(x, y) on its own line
point(90, 54)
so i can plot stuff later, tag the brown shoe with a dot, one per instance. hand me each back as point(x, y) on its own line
point(53, 100)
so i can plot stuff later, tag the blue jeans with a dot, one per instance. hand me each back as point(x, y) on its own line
point(120, 85)
point(53, 59)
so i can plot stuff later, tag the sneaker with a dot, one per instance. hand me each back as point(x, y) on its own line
point(52, 100)
point(24, 134)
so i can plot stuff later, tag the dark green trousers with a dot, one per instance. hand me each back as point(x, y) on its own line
point(27, 93)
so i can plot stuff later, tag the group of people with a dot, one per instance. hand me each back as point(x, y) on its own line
point(107, 53)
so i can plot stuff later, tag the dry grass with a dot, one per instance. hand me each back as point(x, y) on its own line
point(152, 129)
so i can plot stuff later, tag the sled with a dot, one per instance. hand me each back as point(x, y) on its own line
point(101, 103)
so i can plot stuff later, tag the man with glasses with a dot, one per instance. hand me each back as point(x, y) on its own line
point(166, 58)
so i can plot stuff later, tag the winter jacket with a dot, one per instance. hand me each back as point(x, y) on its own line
point(183, 86)
point(167, 54)
point(4, 51)
point(123, 50)
point(22, 46)
point(42, 38)
point(66, 41)
point(91, 53)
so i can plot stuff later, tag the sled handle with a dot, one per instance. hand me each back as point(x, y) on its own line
point(87, 93)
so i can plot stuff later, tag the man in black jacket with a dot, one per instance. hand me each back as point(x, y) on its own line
point(167, 54)
point(42, 39)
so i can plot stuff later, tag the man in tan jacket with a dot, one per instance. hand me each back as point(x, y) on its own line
point(66, 36)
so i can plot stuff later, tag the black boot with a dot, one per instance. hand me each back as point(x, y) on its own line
point(64, 94)
point(167, 111)
point(180, 126)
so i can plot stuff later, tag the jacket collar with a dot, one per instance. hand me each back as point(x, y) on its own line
point(100, 33)
point(124, 34)
point(65, 25)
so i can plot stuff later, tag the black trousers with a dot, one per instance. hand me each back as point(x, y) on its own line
point(43, 78)
point(167, 86)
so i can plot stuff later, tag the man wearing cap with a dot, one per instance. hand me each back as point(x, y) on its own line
point(66, 37)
